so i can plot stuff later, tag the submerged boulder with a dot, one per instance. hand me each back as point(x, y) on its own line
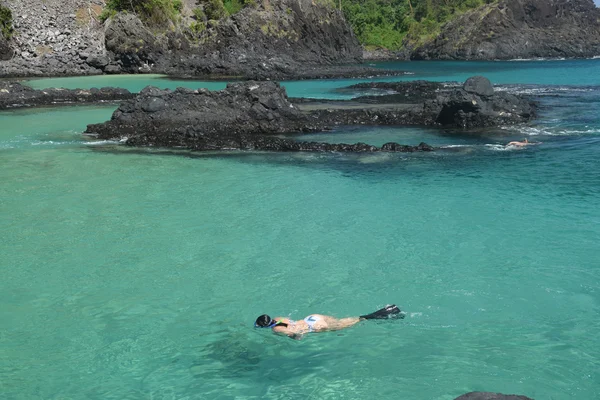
point(491, 396)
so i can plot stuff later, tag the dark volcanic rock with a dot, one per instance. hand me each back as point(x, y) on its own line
point(6, 52)
point(405, 92)
point(511, 29)
point(432, 103)
point(242, 108)
point(243, 116)
point(14, 94)
point(248, 116)
point(131, 44)
point(491, 396)
point(477, 105)
point(519, 29)
point(479, 85)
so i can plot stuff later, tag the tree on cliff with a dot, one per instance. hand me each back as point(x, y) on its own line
point(152, 12)
point(385, 23)
point(6, 28)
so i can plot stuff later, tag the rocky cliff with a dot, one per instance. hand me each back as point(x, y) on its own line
point(53, 37)
point(270, 39)
point(511, 29)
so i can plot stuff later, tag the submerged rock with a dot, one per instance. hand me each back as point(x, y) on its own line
point(13, 94)
point(249, 115)
point(491, 396)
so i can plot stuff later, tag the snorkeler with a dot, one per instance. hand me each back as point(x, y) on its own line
point(320, 323)
point(525, 142)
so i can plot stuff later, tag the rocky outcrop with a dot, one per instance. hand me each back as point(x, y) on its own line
point(402, 92)
point(13, 95)
point(249, 115)
point(475, 104)
point(244, 116)
point(478, 105)
point(511, 29)
point(491, 396)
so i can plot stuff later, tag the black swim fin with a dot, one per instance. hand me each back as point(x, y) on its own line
point(389, 311)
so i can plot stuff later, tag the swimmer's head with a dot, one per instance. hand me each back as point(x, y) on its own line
point(264, 321)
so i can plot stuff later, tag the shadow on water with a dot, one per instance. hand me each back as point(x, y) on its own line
point(236, 358)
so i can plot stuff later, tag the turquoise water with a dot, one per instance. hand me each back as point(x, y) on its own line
point(555, 73)
point(131, 274)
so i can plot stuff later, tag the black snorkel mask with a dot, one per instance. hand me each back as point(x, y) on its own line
point(271, 323)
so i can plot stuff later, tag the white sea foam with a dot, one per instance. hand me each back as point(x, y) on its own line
point(375, 158)
point(500, 147)
point(541, 131)
point(102, 142)
point(541, 90)
point(537, 59)
point(51, 142)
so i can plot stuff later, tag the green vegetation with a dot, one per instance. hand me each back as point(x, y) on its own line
point(218, 9)
point(385, 23)
point(233, 6)
point(215, 10)
point(151, 12)
point(6, 22)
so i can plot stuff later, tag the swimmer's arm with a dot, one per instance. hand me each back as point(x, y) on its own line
point(280, 330)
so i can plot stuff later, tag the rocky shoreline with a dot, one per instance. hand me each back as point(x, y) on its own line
point(253, 116)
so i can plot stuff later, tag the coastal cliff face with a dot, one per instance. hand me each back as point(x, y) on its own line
point(511, 29)
point(268, 39)
point(53, 37)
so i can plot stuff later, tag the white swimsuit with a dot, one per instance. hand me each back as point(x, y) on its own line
point(310, 321)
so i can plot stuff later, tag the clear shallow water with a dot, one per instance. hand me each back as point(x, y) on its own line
point(549, 73)
point(135, 274)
